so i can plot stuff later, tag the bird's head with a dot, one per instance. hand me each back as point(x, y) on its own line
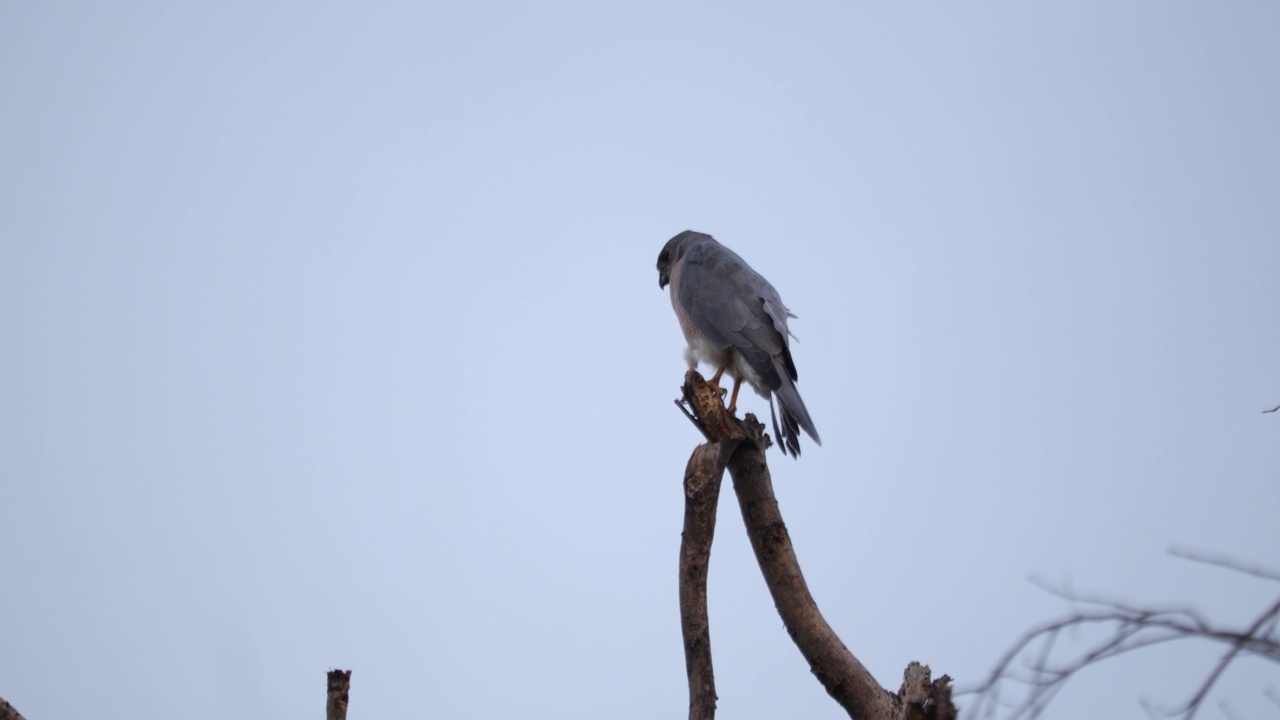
point(674, 250)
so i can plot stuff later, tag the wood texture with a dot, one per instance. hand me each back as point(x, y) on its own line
point(9, 712)
point(339, 690)
point(739, 446)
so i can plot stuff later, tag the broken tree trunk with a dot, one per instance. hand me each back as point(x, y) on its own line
point(739, 446)
point(338, 696)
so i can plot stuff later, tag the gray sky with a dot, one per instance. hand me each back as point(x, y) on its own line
point(331, 337)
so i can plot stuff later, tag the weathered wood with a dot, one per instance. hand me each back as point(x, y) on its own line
point(339, 689)
point(922, 699)
point(702, 479)
point(9, 712)
point(739, 446)
point(843, 676)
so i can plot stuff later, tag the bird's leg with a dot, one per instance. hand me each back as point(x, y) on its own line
point(715, 379)
point(733, 399)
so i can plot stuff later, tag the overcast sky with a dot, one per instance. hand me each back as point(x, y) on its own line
point(330, 336)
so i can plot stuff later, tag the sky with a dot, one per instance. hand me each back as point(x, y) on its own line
point(332, 338)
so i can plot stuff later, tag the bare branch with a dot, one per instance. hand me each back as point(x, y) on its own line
point(1271, 410)
point(702, 404)
point(1193, 704)
point(9, 712)
point(843, 676)
point(1209, 558)
point(702, 479)
point(339, 689)
point(740, 446)
point(1132, 628)
point(1271, 694)
point(1227, 710)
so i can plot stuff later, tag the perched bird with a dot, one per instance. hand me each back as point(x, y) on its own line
point(734, 321)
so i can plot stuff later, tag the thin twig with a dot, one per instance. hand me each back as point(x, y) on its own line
point(1223, 561)
point(1135, 627)
point(1193, 705)
point(1271, 694)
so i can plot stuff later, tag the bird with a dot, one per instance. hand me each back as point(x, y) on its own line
point(735, 321)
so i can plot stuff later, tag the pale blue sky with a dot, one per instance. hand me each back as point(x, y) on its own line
point(331, 337)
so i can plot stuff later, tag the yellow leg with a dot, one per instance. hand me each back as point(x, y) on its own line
point(715, 379)
point(733, 399)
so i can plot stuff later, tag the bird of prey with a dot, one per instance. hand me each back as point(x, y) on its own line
point(734, 321)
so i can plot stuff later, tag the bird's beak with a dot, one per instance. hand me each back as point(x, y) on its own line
point(663, 279)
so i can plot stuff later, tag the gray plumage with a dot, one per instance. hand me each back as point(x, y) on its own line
point(735, 321)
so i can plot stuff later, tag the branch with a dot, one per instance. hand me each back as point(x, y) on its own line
point(843, 676)
point(702, 477)
point(702, 493)
point(9, 712)
point(1132, 628)
point(1223, 561)
point(743, 445)
point(1266, 617)
point(339, 687)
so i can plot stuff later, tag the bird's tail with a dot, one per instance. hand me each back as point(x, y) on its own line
point(795, 417)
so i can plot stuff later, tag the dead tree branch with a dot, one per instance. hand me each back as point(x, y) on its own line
point(844, 678)
point(742, 445)
point(1222, 561)
point(702, 479)
point(9, 712)
point(1030, 668)
point(339, 689)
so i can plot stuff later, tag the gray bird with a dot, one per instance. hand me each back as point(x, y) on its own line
point(734, 321)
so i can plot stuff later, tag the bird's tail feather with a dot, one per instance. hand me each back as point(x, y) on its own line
point(795, 416)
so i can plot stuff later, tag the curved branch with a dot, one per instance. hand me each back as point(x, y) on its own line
point(1133, 628)
point(741, 445)
point(844, 677)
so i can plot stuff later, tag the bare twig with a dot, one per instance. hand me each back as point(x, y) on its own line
point(1271, 410)
point(1223, 561)
point(339, 689)
point(1132, 627)
point(1193, 705)
point(1271, 694)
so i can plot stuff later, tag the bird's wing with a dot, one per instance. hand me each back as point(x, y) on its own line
point(734, 306)
point(722, 295)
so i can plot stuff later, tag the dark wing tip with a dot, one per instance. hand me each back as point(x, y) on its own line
point(788, 433)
